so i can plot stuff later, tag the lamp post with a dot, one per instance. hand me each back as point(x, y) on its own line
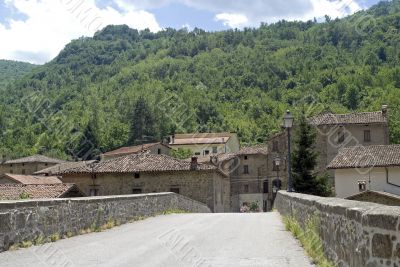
point(288, 124)
point(276, 183)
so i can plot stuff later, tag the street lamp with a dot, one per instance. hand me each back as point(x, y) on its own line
point(288, 124)
point(276, 183)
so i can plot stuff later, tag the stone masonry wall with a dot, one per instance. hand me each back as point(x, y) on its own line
point(27, 220)
point(353, 233)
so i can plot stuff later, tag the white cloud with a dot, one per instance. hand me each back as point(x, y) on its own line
point(52, 24)
point(241, 13)
point(232, 20)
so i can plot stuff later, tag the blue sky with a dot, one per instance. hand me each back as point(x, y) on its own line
point(36, 30)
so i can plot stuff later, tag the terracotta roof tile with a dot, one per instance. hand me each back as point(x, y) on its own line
point(33, 159)
point(33, 179)
point(132, 149)
point(139, 163)
point(64, 166)
point(14, 191)
point(352, 118)
point(366, 156)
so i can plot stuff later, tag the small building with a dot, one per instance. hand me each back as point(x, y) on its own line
point(53, 170)
point(378, 197)
point(38, 191)
point(153, 148)
point(9, 178)
point(361, 168)
point(28, 165)
point(248, 174)
point(148, 173)
point(205, 144)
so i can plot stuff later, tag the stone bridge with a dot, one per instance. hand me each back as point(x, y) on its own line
point(353, 233)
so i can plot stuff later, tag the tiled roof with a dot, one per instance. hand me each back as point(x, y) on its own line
point(14, 191)
point(132, 149)
point(351, 118)
point(34, 159)
point(376, 193)
point(139, 163)
point(33, 179)
point(56, 169)
point(366, 156)
point(253, 150)
point(201, 138)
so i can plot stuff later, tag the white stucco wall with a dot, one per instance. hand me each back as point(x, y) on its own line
point(346, 180)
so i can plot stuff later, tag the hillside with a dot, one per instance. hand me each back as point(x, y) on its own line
point(13, 70)
point(237, 80)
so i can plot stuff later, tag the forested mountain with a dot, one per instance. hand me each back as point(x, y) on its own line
point(122, 82)
point(13, 70)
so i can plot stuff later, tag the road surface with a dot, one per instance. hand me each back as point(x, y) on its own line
point(257, 239)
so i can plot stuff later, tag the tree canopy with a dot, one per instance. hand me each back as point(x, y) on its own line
point(236, 80)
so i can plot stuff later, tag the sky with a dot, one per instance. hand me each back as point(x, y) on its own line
point(36, 31)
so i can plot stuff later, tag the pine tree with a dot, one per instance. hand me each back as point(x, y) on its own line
point(305, 160)
point(142, 125)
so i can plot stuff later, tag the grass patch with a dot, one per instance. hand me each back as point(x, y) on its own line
point(309, 239)
point(172, 211)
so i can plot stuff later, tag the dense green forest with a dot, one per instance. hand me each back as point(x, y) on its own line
point(13, 70)
point(97, 91)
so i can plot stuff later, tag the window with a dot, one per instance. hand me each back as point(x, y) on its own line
point(340, 137)
point(197, 153)
point(265, 187)
point(275, 146)
point(246, 188)
point(23, 171)
point(245, 157)
point(45, 164)
point(94, 192)
point(137, 175)
point(215, 150)
point(159, 151)
point(11, 171)
point(362, 186)
point(23, 164)
point(136, 191)
point(246, 169)
point(174, 190)
point(206, 152)
point(367, 136)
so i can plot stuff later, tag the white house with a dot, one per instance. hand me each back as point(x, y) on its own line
point(206, 144)
point(361, 168)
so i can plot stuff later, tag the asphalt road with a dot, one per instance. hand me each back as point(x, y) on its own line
point(174, 240)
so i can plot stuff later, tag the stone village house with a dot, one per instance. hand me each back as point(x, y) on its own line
point(28, 165)
point(373, 168)
point(334, 132)
point(149, 173)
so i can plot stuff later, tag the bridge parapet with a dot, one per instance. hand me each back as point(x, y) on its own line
point(353, 233)
point(30, 220)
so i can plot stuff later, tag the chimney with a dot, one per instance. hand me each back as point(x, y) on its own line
point(384, 111)
point(193, 164)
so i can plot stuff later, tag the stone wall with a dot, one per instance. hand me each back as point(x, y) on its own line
point(27, 220)
point(353, 233)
